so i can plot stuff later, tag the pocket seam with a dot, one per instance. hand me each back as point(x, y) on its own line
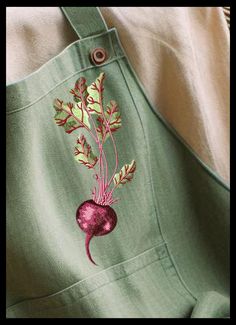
point(155, 253)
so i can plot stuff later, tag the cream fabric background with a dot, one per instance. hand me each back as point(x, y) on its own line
point(181, 55)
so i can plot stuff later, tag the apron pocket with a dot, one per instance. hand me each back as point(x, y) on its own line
point(144, 286)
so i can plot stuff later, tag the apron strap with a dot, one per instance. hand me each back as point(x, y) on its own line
point(86, 21)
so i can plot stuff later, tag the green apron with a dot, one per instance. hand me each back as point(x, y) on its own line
point(168, 256)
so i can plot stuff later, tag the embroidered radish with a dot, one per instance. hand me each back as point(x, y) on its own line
point(95, 216)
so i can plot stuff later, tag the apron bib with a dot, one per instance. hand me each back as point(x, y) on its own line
point(168, 254)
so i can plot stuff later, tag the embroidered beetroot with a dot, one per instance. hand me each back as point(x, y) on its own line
point(95, 216)
point(95, 220)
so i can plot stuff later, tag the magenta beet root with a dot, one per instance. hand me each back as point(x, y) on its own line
point(95, 220)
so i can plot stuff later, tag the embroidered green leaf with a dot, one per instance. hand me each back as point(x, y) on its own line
point(70, 116)
point(83, 153)
point(81, 114)
point(80, 90)
point(88, 100)
point(125, 175)
point(112, 122)
point(94, 97)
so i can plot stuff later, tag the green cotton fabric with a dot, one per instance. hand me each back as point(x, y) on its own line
point(168, 256)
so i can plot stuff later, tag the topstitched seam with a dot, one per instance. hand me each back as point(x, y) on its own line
point(154, 200)
point(57, 85)
point(58, 293)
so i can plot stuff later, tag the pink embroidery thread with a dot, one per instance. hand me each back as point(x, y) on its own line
point(95, 217)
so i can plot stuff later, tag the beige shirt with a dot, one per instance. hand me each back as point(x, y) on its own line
point(180, 54)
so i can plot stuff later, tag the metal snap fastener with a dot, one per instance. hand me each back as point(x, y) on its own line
point(98, 55)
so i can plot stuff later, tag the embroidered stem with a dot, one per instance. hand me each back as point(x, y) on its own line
point(106, 164)
point(116, 157)
point(109, 130)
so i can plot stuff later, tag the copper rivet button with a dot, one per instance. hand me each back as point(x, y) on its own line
point(98, 55)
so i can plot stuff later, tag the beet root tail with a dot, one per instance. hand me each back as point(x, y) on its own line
point(87, 241)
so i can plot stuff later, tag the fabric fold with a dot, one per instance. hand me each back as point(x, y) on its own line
point(211, 304)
